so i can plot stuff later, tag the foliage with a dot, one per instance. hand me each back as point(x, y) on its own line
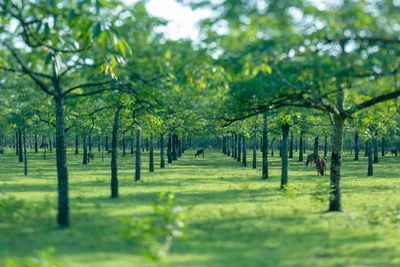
point(153, 236)
point(41, 260)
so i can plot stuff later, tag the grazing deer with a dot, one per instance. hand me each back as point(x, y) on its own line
point(321, 165)
point(311, 158)
point(199, 152)
point(393, 152)
point(90, 156)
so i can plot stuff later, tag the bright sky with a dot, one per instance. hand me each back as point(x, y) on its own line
point(182, 20)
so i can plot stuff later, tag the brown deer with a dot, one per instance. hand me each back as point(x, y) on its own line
point(321, 165)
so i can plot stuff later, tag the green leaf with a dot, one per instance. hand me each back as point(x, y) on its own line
point(96, 30)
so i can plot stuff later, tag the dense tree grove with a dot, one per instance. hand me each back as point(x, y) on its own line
point(302, 80)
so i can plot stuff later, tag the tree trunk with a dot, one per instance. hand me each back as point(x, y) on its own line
point(235, 147)
point(36, 143)
point(138, 142)
point(76, 144)
point(265, 174)
point(114, 155)
point(316, 146)
point(62, 169)
point(301, 147)
point(131, 141)
point(162, 160)
point(123, 145)
point(228, 146)
point(169, 148)
point(151, 166)
point(99, 143)
point(375, 144)
point(239, 147)
point(383, 147)
point(291, 147)
point(147, 144)
point(356, 145)
point(244, 157)
point(284, 149)
point(107, 143)
point(102, 147)
point(90, 142)
point(85, 158)
point(224, 145)
point(20, 155)
point(174, 145)
point(25, 157)
point(370, 160)
point(272, 147)
point(366, 149)
point(255, 150)
point(326, 146)
point(50, 144)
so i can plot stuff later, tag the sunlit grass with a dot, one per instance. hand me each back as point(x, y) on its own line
point(232, 217)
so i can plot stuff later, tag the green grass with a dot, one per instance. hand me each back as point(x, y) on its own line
point(232, 217)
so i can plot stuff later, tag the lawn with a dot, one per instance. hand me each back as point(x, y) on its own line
point(232, 217)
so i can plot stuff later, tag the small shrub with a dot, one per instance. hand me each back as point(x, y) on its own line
point(380, 214)
point(152, 237)
point(41, 260)
point(320, 193)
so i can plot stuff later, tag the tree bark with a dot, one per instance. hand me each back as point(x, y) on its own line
point(366, 149)
point(114, 155)
point(244, 157)
point(85, 159)
point(174, 145)
point(36, 143)
point(162, 160)
point(272, 147)
point(20, 155)
point(356, 145)
point(375, 144)
point(301, 147)
point(151, 165)
point(50, 144)
point(131, 141)
point(76, 144)
point(123, 145)
point(62, 169)
point(255, 150)
point(90, 142)
point(239, 147)
point(25, 155)
point(316, 146)
point(138, 142)
point(370, 160)
point(235, 147)
point(326, 146)
point(383, 146)
point(107, 143)
point(265, 174)
point(284, 149)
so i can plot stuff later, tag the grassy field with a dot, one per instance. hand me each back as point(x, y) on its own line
point(232, 217)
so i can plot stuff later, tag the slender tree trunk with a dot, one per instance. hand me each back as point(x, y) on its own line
point(90, 142)
point(326, 146)
point(375, 144)
point(370, 160)
point(36, 143)
point(239, 147)
point(147, 144)
point(255, 150)
point(291, 147)
point(50, 144)
point(151, 165)
point(20, 155)
point(265, 174)
point(174, 146)
point(285, 139)
point(76, 144)
point(107, 143)
point(138, 142)
point(301, 147)
point(162, 160)
point(383, 147)
point(244, 157)
point(99, 143)
point(228, 146)
point(62, 169)
point(272, 147)
point(85, 158)
point(356, 145)
point(316, 146)
point(366, 149)
point(102, 147)
point(131, 141)
point(114, 155)
point(169, 148)
point(179, 143)
point(14, 142)
point(123, 145)
point(25, 155)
